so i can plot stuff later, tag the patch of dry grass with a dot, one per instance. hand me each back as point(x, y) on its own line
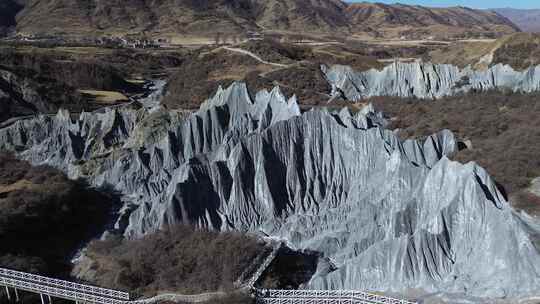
point(19, 185)
point(105, 97)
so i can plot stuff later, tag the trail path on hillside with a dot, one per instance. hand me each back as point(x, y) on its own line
point(254, 56)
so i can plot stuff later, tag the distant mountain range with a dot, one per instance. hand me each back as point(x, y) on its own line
point(528, 20)
point(205, 17)
point(397, 20)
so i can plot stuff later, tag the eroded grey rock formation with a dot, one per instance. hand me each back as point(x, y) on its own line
point(427, 80)
point(390, 215)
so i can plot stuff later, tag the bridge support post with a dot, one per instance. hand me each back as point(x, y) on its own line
point(7, 293)
point(16, 295)
point(50, 299)
point(42, 300)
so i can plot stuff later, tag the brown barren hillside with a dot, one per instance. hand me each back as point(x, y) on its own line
point(519, 50)
point(134, 16)
point(184, 17)
point(398, 20)
point(303, 15)
point(203, 18)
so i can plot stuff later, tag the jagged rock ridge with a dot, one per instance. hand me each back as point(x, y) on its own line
point(427, 80)
point(389, 214)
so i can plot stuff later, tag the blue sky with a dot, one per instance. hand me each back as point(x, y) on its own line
point(469, 3)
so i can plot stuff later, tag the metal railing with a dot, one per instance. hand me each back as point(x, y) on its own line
point(58, 292)
point(279, 296)
point(61, 284)
point(250, 282)
point(312, 301)
point(91, 294)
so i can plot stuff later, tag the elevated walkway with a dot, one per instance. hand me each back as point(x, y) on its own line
point(48, 288)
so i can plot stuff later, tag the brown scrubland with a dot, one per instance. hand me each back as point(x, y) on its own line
point(45, 217)
point(181, 259)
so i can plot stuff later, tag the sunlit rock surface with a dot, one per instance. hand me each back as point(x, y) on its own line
point(388, 214)
point(427, 80)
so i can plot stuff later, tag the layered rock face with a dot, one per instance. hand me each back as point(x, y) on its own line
point(427, 80)
point(385, 214)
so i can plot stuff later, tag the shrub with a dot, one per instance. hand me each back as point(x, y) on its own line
point(44, 217)
point(180, 259)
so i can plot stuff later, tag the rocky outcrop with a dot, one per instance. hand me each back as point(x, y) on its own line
point(22, 94)
point(19, 96)
point(386, 214)
point(427, 80)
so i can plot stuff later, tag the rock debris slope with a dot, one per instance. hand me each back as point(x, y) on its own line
point(384, 214)
point(427, 80)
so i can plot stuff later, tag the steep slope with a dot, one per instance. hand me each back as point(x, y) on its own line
point(35, 80)
point(519, 50)
point(22, 95)
point(303, 15)
point(388, 214)
point(118, 17)
point(399, 20)
point(185, 17)
point(528, 20)
point(204, 18)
